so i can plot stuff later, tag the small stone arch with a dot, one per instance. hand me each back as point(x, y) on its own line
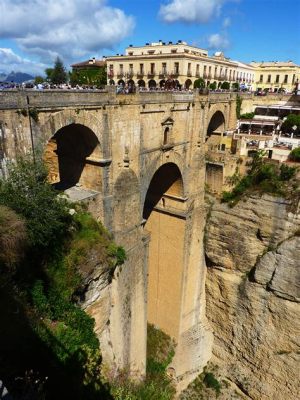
point(141, 83)
point(152, 84)
point(188, 83)
point(111, 82)
point(121, 82)
point(177, 84)
point(130, 82)
point(162, 83)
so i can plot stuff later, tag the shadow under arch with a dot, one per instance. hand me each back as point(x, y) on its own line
point(216, 124)
point(165, 221)
point(70, 155)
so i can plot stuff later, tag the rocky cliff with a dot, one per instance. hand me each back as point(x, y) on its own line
point(253, 294)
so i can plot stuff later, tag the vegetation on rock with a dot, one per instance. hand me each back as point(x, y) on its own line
point(204, 386)
point(263, 177)
point(57, 355)
point(247, 115)
point(157, 385)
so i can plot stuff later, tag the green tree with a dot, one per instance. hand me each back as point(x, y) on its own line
point(91, 76)
point(199, 83)
point(27, 192)
point(213, 85)
point(38, 79)
point(49, 72)
point(59, 74)
point(239, 101)
point(225, 85)
point(295, 154)
point(291, 121)
point(236, 86)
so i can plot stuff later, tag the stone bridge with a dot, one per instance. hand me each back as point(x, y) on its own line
point(138, 160)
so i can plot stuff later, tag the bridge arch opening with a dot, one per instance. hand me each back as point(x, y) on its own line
point(164, 215)
point(216, 124)
point(72, 156)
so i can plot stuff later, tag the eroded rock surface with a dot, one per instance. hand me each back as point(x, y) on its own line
point(253, 257)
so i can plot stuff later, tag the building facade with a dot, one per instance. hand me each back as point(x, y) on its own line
point(157, 64)
point(276, 75)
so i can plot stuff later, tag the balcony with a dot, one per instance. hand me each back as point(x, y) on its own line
point(120, 74)
point(110, 74)
point(162, 74)
point(205, 75)
point(129, 75)
point(174, 74)
point(209, 76)
point(140, 74)
point(151, 74)
point(197, 74)
point(189, 73)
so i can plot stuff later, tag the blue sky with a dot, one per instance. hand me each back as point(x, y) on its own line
point(34, 32)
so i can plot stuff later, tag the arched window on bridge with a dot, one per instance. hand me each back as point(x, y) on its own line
point(73, 157)
point(216, 124)
point(166, 135)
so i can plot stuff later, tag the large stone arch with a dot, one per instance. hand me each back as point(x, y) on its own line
point(165, 220)
point(72, 156)
point(60, 119)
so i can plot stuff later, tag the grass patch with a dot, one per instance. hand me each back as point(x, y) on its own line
point(204, 386)
point(157, 385)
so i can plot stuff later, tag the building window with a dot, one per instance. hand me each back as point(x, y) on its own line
point(277, 78)
point(174, 51)
point(189, 71)
point(121, 68)
point(166, 135)
point(131, 68)
point(261, 78)
point(141, 69)
point(152, 68)
point(176, 68)
point(269, 79)
point(294, 76)
point(197, 70)
point(285, 79)
point(164, 68)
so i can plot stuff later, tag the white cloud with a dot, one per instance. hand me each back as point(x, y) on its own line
point(191, 10)
point(73, 29)
point(218, 41)
point(226, 22)
point(10, 61)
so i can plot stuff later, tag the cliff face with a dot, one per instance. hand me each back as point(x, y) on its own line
point(253, 294)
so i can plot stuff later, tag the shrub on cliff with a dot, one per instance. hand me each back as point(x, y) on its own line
point(28, 193)
point(295, 154)
point(13, 237)
point(262, 177)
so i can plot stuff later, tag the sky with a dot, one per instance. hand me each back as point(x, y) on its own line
point(34, 32)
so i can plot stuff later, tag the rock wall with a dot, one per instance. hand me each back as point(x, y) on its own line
point(253, 290)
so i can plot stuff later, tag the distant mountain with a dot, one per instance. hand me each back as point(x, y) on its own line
point(17, 77)
point(2, 76)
